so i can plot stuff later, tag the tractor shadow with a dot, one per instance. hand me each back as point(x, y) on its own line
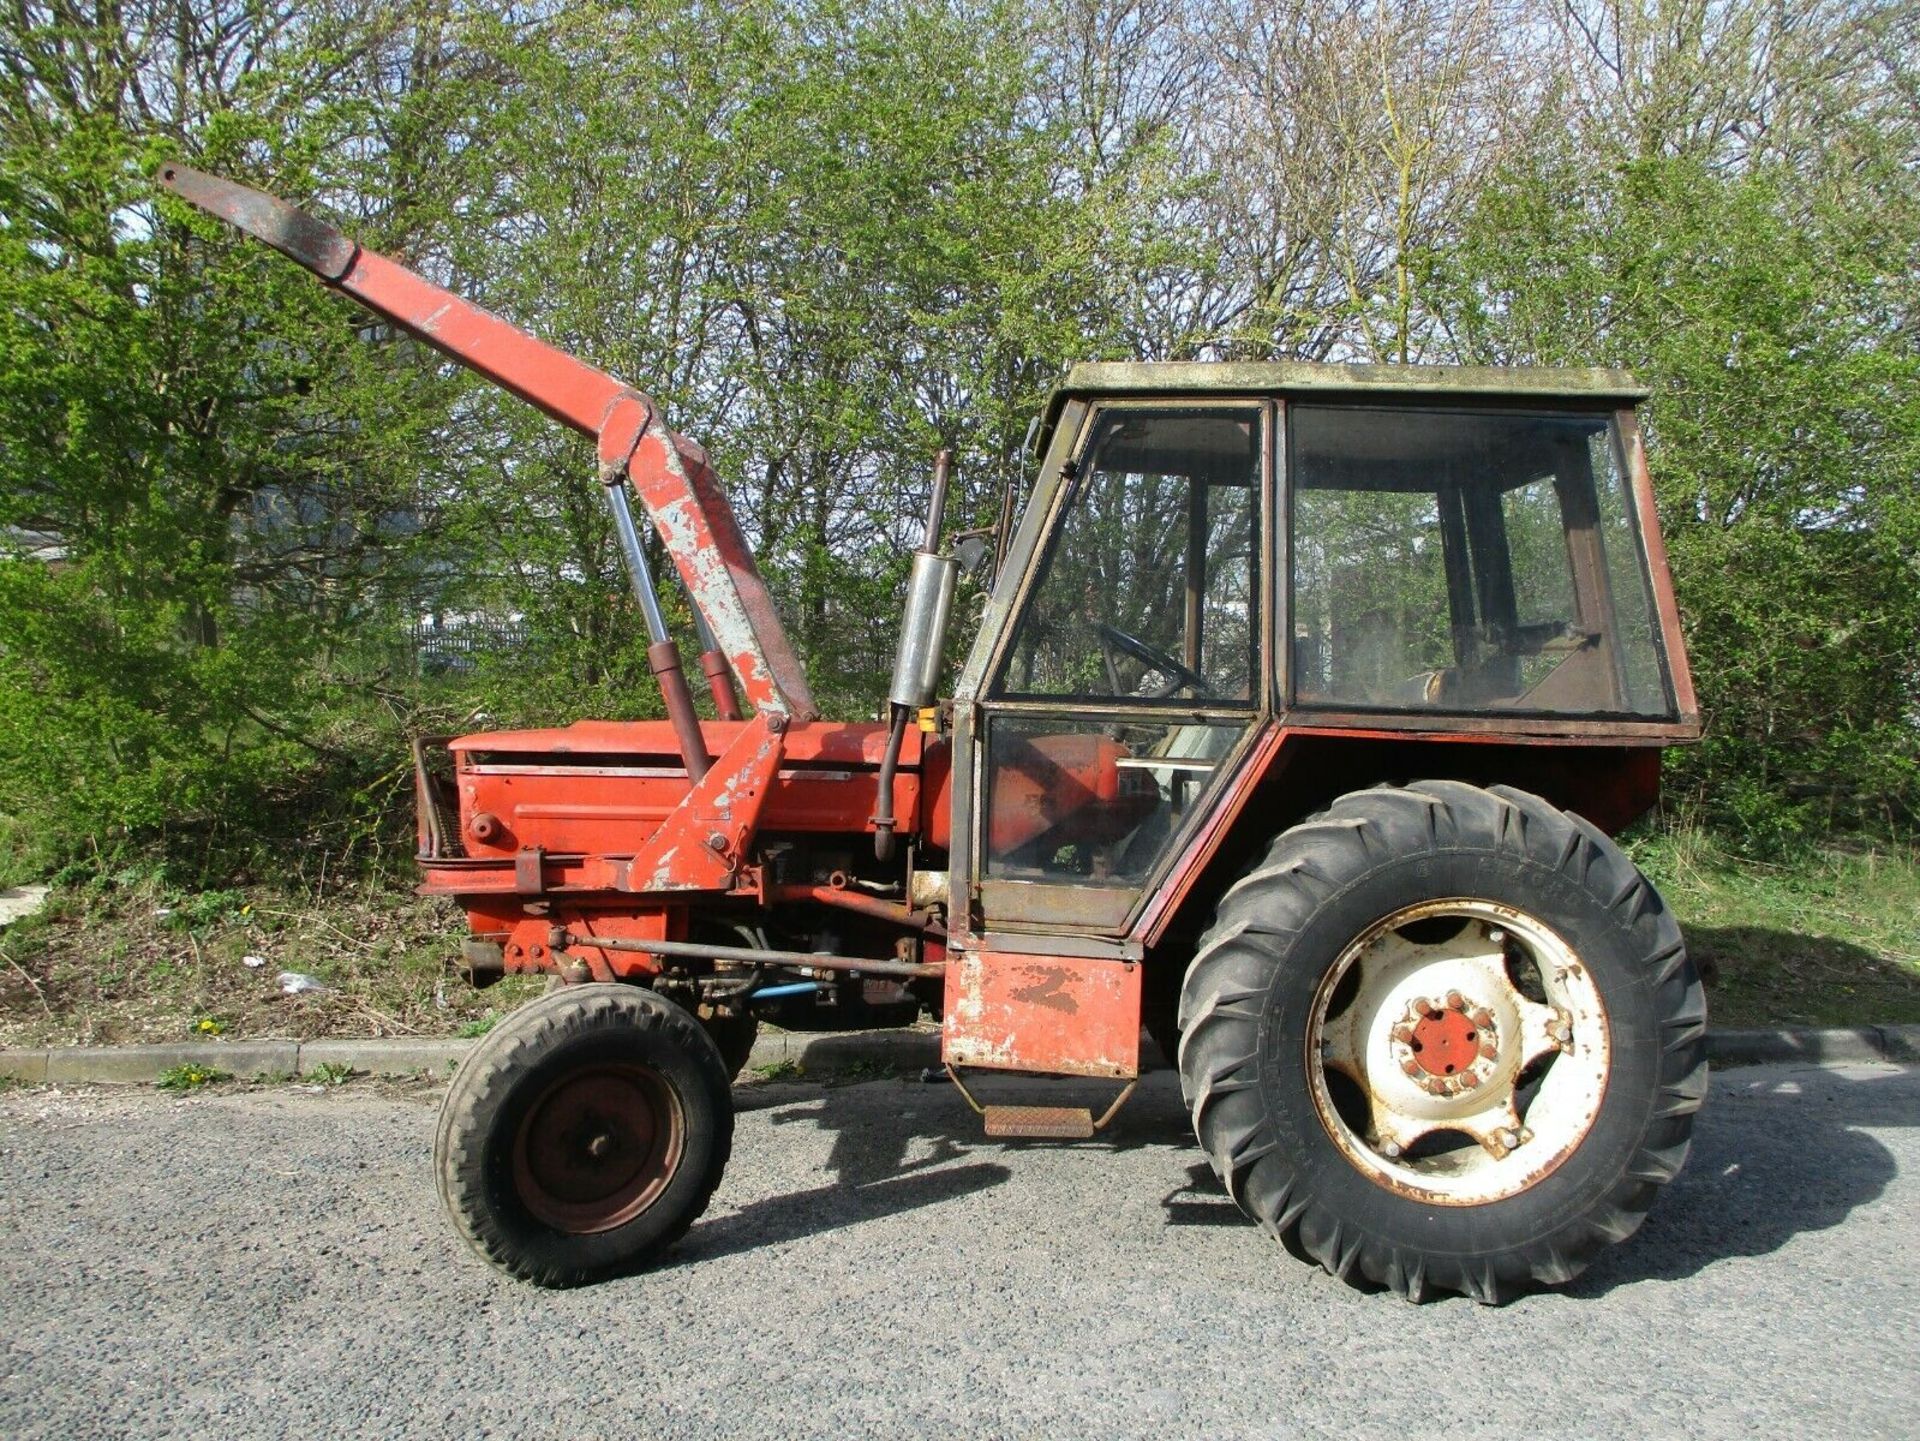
point(901, 1144)
point(1793, 979)
point(1777, 1154)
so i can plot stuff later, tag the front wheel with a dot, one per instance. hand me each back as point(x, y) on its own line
point(1444, 1039)
point(584, 1134)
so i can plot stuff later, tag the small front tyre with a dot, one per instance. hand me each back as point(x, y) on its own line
point(1444, 1039)
point(584, 1134)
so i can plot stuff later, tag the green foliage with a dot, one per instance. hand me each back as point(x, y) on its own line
point(1784, 435)
point(191, 1076)
point(329, 1074)
point(208, 908)
point(225, 470)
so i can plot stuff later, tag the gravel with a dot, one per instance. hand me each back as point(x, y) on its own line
point(274, 1263)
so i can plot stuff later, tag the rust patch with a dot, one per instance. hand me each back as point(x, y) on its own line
point(1049, 989)
point(703, 843)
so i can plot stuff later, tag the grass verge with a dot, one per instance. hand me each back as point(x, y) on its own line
point(123, 960)
point(1831, 938)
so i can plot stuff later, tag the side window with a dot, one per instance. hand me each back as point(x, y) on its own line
point(1148, 590)
point(1130, 674)
point(1537, 540)
point(1467, 560)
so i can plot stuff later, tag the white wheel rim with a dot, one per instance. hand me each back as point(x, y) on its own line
point(1436, 1073)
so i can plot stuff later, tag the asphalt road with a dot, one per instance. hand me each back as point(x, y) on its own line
point(275, 1264)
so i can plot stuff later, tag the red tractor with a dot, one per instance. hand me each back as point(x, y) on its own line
point(1305, 702)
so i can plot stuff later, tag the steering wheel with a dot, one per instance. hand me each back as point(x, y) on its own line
point(1154, 658)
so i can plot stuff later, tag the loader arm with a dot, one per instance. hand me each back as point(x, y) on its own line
point(670, 473)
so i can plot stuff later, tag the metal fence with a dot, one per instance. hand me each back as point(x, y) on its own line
point(453, 646)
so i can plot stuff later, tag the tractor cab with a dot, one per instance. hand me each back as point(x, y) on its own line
point(1227, 572)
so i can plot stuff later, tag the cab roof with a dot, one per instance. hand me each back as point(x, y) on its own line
point(1174, 379)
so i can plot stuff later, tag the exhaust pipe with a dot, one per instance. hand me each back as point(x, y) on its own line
point(923, 634)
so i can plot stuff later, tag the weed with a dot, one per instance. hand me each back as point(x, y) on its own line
point(190, 1076)
point(863, 1069)
point(329, 1073)
point(273, 1078)
point(209, 1026)
point(209, 908)
point(479, 1026)
point(781, 1070)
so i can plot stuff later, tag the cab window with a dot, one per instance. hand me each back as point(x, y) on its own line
point(1148, 590)
point(1467, 560)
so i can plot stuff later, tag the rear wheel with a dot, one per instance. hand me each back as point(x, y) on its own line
point(584, 1134)
point(1444, 1039)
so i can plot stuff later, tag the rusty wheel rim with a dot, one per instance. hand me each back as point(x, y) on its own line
point(1459, 1052)
point(597, 1147)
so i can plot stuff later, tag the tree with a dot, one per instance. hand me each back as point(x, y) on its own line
point(230, 471)
point(1761, 281)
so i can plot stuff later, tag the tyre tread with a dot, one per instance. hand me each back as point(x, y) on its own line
point(504, 1055)
point(1221, 1006)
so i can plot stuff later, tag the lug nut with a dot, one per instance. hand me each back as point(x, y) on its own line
point(1390, 1149)
point(1456, 1001)
point(1468, 1080)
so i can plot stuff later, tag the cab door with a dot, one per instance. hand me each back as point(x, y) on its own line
point(1132, 672)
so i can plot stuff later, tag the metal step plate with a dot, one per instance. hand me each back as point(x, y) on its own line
point(1052, 1123)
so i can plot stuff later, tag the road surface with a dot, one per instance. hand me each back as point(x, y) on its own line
point(274, 1263)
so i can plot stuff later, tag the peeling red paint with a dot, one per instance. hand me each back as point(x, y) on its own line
point(1063, 1014)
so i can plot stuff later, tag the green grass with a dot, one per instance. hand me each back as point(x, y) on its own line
point(854, 1072)
point(1830, 938)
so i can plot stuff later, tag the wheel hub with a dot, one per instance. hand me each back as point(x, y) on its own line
point(596, 1148)
point(1454, 1084)
point(1447, 1046)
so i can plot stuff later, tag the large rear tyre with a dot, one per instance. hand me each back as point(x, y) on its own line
point(1444, 1039)
point(584, 1134)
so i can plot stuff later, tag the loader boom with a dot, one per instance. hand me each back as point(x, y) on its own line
point(670, 473)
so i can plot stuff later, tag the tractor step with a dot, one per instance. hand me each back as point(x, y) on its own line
point(1052, 1123)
